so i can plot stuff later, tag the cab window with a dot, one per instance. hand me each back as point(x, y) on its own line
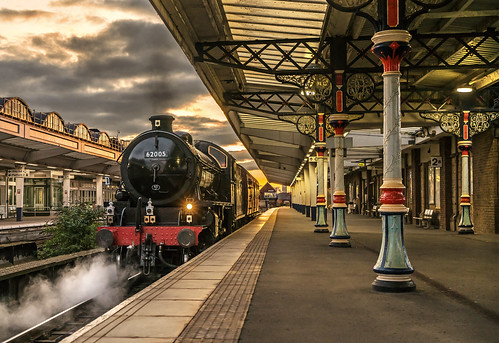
point(219, 156)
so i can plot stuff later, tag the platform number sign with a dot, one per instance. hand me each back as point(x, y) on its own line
point(436, 162)
point(107, 180)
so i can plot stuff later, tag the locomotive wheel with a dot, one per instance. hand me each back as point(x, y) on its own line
point(120, 256)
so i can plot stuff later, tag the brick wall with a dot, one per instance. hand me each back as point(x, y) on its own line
point(415, 202)
point(485, 202)
point(446, 173)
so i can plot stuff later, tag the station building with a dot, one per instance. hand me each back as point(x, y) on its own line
point(47, 163)
point(431, 171)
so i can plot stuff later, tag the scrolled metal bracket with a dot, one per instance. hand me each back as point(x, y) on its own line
point(307, 124)
point(462, 124)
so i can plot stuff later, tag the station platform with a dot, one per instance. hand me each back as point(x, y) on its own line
point(275, 280)
point(26, 222)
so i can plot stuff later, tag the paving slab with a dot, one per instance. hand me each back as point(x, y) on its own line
point(161, 312)
point(308, 291)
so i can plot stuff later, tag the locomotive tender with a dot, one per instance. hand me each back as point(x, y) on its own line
point(176, 198)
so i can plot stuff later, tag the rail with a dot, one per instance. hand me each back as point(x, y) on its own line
point(73, 318)
point(37, 330)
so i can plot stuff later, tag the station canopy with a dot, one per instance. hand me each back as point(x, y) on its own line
point(253, 54)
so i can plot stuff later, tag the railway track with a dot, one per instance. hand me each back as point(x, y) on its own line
point(68, 321)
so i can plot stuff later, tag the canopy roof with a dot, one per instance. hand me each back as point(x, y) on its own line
point(240, 48)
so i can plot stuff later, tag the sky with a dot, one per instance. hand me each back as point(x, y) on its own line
point(109, 64)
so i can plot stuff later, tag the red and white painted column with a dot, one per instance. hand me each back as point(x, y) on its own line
point(393, 266)
point(465, 224)
point(320, 148)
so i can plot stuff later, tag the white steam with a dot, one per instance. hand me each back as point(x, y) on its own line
point(43, 298)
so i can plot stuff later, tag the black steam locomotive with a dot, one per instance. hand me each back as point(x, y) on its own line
point(176, 198)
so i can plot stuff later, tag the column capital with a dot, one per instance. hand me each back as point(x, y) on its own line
point(391, 36)
point(339, 121)
point(464, 146)
point(320, 149)
point(391, 46)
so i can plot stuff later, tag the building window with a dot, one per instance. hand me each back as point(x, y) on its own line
point(434, 186)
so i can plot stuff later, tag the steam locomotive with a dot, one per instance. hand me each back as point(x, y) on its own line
point(176, 198)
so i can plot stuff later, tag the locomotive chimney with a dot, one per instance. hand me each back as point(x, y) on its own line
point(162, 122)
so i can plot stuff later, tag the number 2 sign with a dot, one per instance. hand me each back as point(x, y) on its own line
point(436, 162)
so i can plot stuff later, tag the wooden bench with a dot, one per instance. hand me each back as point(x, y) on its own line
point(427, 218)
point(418, 221)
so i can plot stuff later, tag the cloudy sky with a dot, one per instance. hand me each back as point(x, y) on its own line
point(109, 64)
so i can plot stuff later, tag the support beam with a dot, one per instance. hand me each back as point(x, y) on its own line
point(99, 200)
point(66, 188)
point(19, 197)
point(486, 80)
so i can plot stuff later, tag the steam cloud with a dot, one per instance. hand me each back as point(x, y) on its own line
point(43, 298)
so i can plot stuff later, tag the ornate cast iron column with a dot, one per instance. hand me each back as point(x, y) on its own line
point(393, 266)
point(313, 187)
point(308, 191)
point(465, 125)
point(390, 20)
point(317, 89)
point(320, 148)
point(465, 224)
point(332, 178)
point(339, 235)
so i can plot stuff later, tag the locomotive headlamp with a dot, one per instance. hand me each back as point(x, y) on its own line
point(189, 206)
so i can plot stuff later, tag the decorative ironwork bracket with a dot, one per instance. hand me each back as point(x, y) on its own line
point(464, 124)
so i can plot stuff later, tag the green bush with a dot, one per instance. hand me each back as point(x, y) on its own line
point(74, 230)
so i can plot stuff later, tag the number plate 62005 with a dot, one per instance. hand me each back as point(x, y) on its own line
point(155, 154)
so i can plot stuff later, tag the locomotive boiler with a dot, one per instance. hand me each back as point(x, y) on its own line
point(176, 198)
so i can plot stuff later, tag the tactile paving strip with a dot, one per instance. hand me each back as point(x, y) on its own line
point(222, 316)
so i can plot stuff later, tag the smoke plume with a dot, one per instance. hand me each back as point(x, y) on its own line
point(43, 298)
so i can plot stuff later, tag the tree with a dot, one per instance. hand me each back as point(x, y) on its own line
point(74, 230)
